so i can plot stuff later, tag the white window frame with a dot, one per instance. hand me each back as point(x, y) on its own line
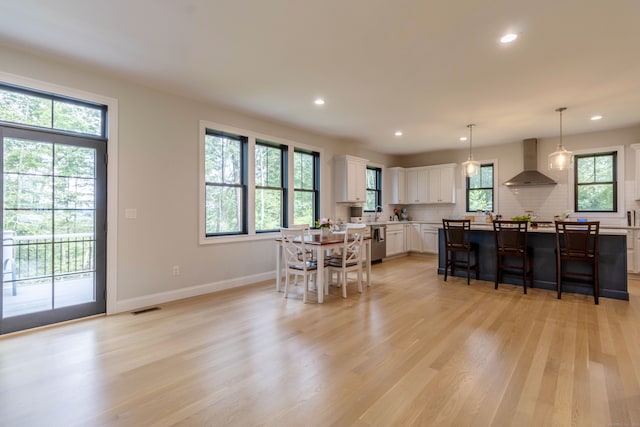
point(252, 136)
point(571, 191)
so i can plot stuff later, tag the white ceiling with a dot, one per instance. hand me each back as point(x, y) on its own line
point(426, 67)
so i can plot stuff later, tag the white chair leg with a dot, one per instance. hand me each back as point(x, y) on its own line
point(286, 285)
point(360, 279)
point(344, 283)
point(306, 289)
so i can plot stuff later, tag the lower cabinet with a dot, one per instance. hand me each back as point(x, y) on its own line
point(633, 251)
point(414, 238)
point(429, 238)
point(395, 239)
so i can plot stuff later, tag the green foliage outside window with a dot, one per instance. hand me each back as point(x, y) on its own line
point(374, 188)
point(595, 177)
point(480, 190)
point(224, 191)
point(41, 111)
point(305, 188)
point(269, 195)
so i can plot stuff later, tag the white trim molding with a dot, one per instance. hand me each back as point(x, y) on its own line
point(112, 168)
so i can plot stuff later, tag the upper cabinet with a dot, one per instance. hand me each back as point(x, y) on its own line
point(431, 184)
point(350, 179)
point(396, 185)
point(442, 184)
point(417, 185)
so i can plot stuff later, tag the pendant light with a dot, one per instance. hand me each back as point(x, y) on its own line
point(560, 159)
point(470, 167)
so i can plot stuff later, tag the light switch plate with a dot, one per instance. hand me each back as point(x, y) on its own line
point(131, 213)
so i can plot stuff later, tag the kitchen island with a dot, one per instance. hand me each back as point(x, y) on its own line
point(613, 261)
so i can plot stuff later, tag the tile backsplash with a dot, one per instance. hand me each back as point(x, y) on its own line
point(544, 201)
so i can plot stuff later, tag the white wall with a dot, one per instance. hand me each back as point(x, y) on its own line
point(157, 167)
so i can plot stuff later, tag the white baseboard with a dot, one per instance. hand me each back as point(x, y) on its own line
point(164, 297)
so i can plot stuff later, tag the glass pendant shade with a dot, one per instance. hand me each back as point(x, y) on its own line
point(470, 167)
point(561, 159)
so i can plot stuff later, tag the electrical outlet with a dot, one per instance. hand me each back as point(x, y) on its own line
point(176, 270)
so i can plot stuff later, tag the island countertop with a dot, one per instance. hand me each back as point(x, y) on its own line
point(612, 266)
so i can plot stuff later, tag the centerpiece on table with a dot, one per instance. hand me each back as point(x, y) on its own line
point(324, 224)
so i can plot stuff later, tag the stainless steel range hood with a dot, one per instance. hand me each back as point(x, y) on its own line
point(530, 176)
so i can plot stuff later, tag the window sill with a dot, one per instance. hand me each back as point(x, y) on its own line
point(238, 238)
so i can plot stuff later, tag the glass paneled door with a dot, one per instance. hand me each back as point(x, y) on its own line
point(54, 228)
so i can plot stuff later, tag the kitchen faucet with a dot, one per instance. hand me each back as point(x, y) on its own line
point(377, 211)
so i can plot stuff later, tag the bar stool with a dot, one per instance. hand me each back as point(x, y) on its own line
point(577, 243)
point(457, 240)
point(511, 242)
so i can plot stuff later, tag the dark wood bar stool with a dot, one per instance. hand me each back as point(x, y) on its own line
point(513, 256)
point(577, 243)
point(457, 240)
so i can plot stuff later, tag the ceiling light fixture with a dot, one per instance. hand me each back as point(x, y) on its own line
point(598, 117)
point(463, 138)
point(508, 38)
point(560, 159)
point(470, 167)
point(398, 133)
point(319, 101)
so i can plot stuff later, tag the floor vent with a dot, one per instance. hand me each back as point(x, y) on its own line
point(145, 310)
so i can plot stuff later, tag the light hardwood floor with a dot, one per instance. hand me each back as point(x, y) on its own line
point(410, 350)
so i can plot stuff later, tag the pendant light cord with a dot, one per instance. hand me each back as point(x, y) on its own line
point(470, 126)
point(560, 110)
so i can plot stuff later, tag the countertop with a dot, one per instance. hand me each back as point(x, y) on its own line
point(604, 228)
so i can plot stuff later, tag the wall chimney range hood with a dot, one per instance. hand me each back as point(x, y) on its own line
point(530, 176)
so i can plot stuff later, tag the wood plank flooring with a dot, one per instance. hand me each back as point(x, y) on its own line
point(410, 350)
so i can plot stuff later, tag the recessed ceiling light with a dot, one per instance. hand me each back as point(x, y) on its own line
point(463, 138)
point(598, 117)
point(319, 101)
point(398, 133)
point(508, 38)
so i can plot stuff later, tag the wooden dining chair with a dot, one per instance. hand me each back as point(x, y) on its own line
point(513, 256)
point(351, 258)
point(457, 241)
point(577, 244)
point(297, 261)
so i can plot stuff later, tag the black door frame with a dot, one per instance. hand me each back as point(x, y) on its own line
point(56, 315)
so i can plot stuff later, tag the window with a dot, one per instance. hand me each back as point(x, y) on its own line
point(306, 194)
point(225, 183)
point(253, 184)
point(31, 108)
point(270, 188)
point(595, 178)
point(480, 190)
point(374, 187)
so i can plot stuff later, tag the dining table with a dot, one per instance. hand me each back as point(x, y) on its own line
point(321, 244)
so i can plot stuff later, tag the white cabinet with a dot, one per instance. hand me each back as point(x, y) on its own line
point(395, 239)
point(633, 251)
point(407, 236)
point(414, 238)
point(396, 191)
point(429, 238)
point(442, 184)
point(350, 175)
point(417, 185)
point(636, 147)
point(431, 184)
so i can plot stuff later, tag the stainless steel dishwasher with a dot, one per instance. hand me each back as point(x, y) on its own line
point(378, 242)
